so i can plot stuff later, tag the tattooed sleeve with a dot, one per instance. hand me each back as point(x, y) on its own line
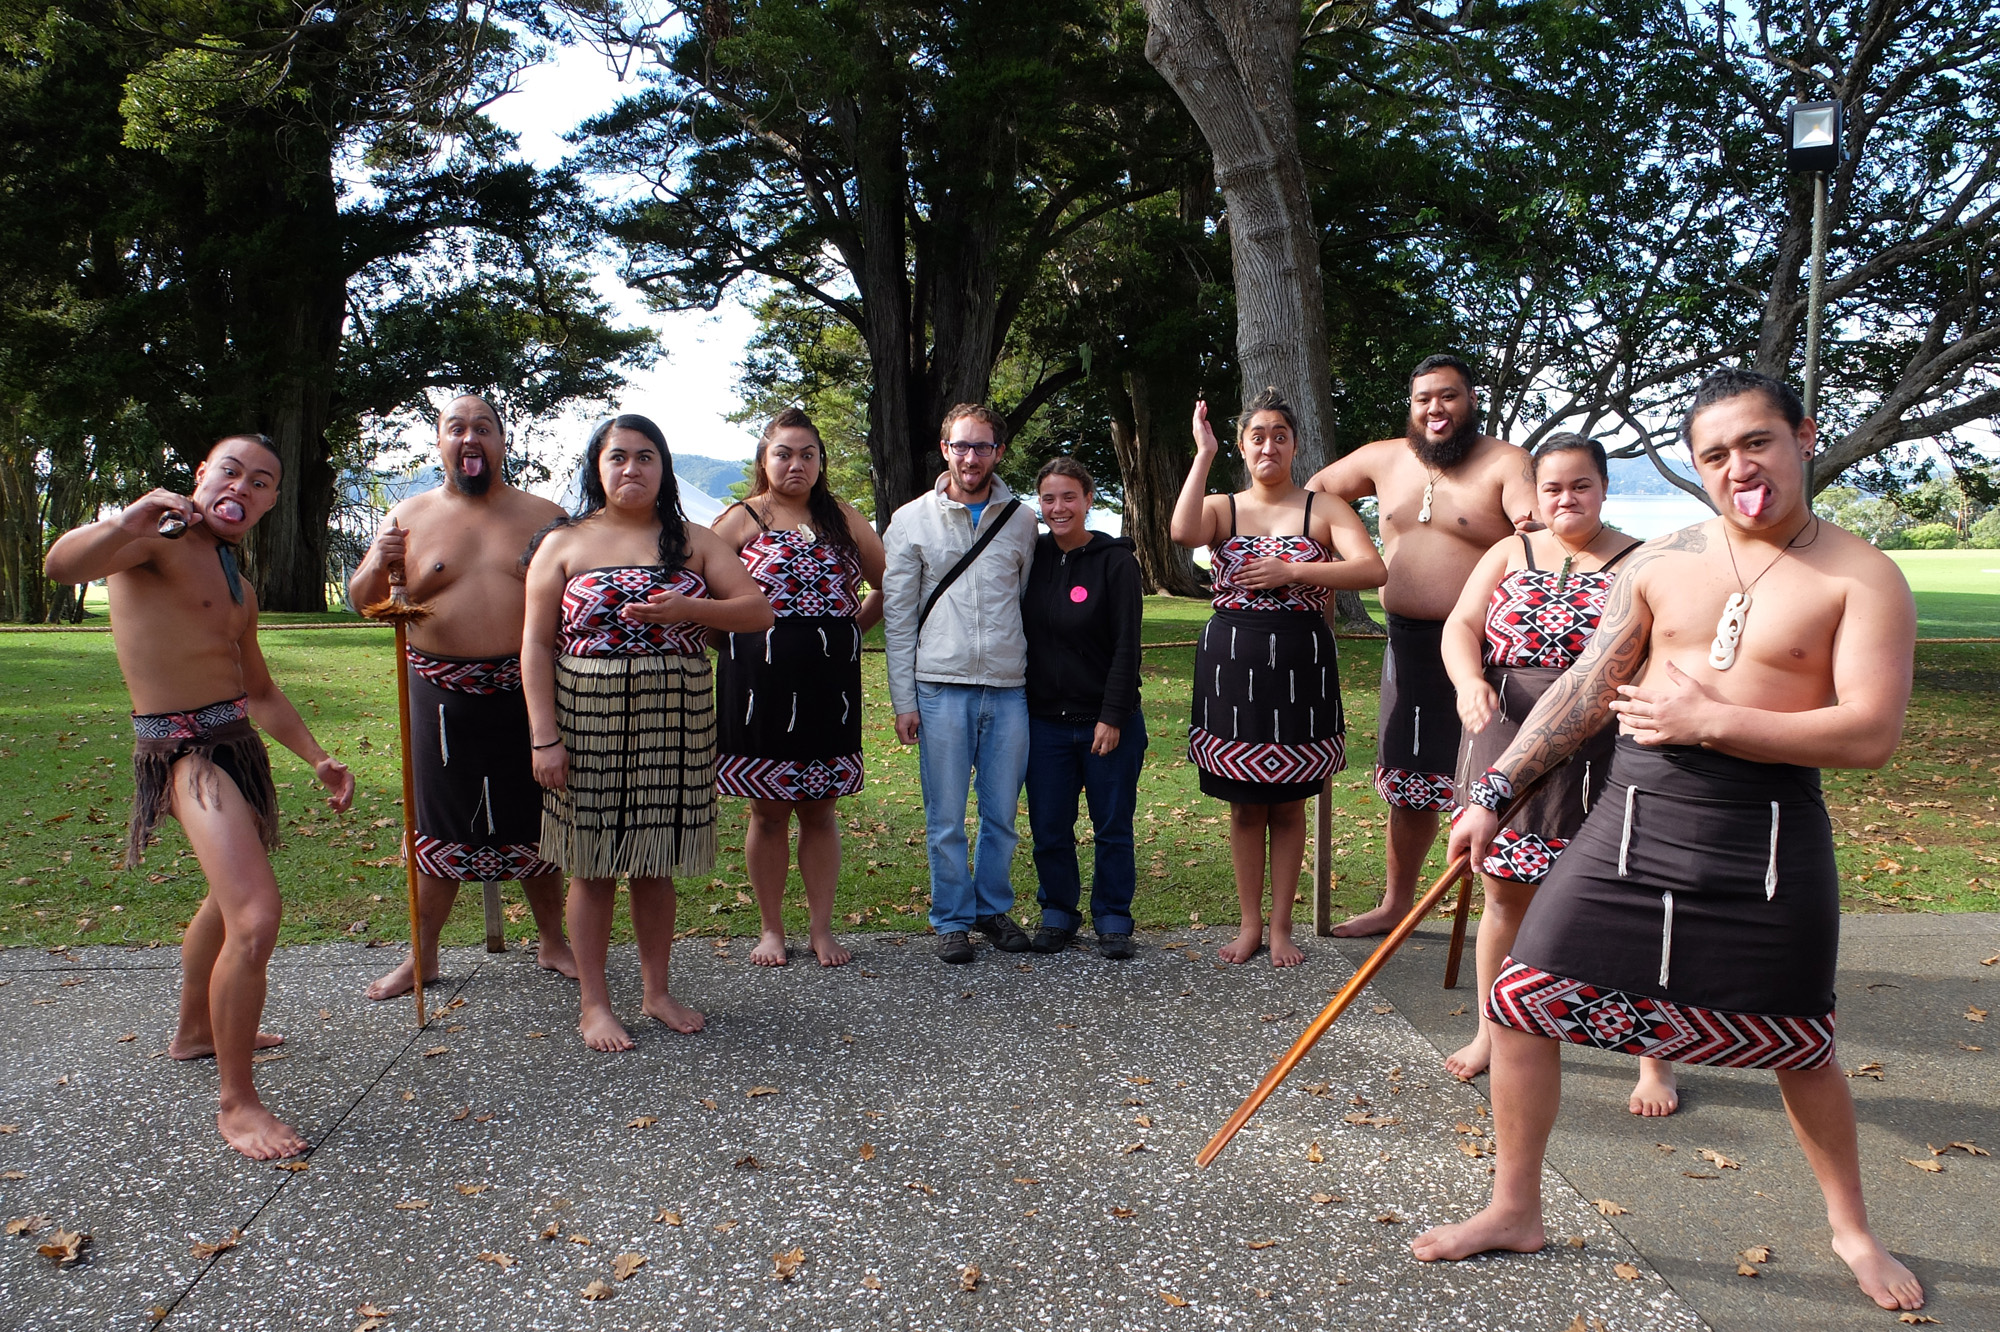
point(1580, 701)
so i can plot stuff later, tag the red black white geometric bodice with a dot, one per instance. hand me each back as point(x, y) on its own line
point(592, 626)
point(1538, 617)
point(804, 576)
point(1229, 557)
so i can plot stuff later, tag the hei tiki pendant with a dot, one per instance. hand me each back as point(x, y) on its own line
point(1729, 631)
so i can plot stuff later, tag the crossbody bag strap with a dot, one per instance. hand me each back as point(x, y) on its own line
point(965, 561)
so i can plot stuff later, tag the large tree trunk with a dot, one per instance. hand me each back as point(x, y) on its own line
point(287, 550)
point(24, 592)
point(1233, 62)
point(1146, 427)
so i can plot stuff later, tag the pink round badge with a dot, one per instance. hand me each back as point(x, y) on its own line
point(1078, 594)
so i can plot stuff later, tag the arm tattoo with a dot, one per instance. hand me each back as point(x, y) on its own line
point(1579, 702)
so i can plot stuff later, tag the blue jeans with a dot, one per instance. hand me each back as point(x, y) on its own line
point(1060, 765)
point(963, 729)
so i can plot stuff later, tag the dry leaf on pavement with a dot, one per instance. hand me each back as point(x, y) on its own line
point(1626, 1272)
point(470, 1189)
point(293, 1166)
point(1389, 1219)
point(1124, 1213)
point(26, 1225)
point(1744, 1269)
point(1718, 1160)
point(748, 1162)
point(599, 1289)
point(550, 1231)
point(724, 1227)
point(667, 1217)
point(969, 1278)
point(1324, 1198)
point(1757, 1253)
point(625, 1264)
point(1132, 1147)
point(367, 1309)
point(1260, 1244)
point(762, 1091)
point(867, 1151)
point(408, 1204)
point(1314, 1154)
point(1173, 1300)
point(785, 1264)
point(871, 1282)
point(643, 1121)
point(1866, 1071)
point(503, 1261)
point(1932, 1165)
point(1968, 1148)
point(1973, 1014)
point(205, 1249)
point(437, 1050)
point(1605, 1207)
point(1916, 1318)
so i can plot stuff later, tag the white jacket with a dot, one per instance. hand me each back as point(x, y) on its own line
point(974, 634)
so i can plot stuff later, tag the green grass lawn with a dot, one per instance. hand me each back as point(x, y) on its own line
point(1916, 836)
point(1958, 591)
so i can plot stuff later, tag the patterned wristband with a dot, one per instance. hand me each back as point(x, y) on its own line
point(1492, 790)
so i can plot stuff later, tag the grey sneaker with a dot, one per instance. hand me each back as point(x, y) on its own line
point(954, 946)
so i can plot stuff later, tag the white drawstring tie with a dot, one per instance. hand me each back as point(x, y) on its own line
point(1771, 866)
point(1666, 933)
point(1625, 841)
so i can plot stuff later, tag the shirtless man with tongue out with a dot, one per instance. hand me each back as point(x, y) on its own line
point(479, 811)
point(1695, 917)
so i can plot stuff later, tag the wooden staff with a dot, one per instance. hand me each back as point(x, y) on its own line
point(1362, 975)
point(400, 611)
point(1458, 933)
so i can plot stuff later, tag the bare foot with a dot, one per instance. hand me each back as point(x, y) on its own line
point(1882, 1278)
point(1379, 921)
point(1244, 946)
point(257, 1133)
point(1284, 953)
point(397, 982)
point(603, 1031)
point(829, 952)
point(554, 957)
point(203, 1046)
point(675, 1014)
point(1489, 1229)
point(770, 950)
point(1656, 1093)
point(1471, 1059)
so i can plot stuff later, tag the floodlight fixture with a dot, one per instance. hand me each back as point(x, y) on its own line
point(1814, 135)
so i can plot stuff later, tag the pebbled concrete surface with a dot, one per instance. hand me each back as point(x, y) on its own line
point(998, 1103)
point(1905, 985)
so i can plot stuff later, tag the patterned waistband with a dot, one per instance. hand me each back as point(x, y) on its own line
point(466, 675)
point(192, 724)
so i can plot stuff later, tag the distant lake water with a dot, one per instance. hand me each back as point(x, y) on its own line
point(1648, 516)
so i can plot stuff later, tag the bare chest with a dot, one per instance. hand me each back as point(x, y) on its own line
point(1415, 502)
point(484, 558)
point(1737, 632)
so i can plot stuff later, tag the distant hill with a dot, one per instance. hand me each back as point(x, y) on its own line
point(1638, 476)
point(714, 475)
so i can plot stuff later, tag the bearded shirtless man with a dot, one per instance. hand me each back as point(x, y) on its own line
point(185, 626)
point(1696, 916)
point(479, 811)
point(1445, 493)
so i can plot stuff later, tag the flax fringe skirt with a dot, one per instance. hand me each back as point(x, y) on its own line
point(640, 732)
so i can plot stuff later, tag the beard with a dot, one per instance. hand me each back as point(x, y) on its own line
point(469, 485)
point(1448, 452)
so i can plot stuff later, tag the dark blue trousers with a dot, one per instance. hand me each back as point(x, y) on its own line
point(1061, 767)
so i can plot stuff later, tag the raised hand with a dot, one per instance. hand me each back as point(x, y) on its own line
point(1205, 442)
point(142, 516)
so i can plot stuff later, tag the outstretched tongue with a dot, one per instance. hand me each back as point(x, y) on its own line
point(1750, 503)
point(229, 511)
point(472, 464)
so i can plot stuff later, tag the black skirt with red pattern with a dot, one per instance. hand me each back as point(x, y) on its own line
point(1267, 726)
point(1695, 917)
point(1543, 824)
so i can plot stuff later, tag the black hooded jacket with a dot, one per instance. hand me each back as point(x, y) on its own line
point(1081, 611)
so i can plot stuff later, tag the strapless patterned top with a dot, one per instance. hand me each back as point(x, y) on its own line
point(592, 626)
point(1542, 617)
point(1233, 554)
point(803, 576)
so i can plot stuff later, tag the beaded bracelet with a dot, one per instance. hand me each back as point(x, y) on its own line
point(1492, 790)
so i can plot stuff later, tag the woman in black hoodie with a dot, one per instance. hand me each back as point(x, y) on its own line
point(1086, 733)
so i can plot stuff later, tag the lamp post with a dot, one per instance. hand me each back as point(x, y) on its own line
point(1815, 133)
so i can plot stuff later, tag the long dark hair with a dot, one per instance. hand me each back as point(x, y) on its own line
point(827, 518)
point(667, 504)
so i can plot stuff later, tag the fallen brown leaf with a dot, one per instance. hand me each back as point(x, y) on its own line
point(503, 1261)
point(584, 1240)
point(1718, 1160)
point(207, 1249)
point(1626, 1272)
point(369, 1310)
point(13, 1174)
point(26, 1225)
point(1384, 1008)
point(1132, 1147)
point(867, 1151)
point(918, 1186)
point(1314, 1154)
point(437, 1050)
point(1973, 1014)
point(1389, 1219)
point(1870, 1070)
point(1757, 1253)
point(1989, 961)
point(128, 1036)
point(1260, 1244)
point(470, 1189)
point(1916, 1318)
point(1934, 1166)
point(10, 1128)
point(293, 1166)
point(1744, 1269)
point(643, 1121)
point(1140, 1082)
point(625, 1264)
point(64, 1246)
point(1322, 1199)
point(724, 1227)
point(969, 1278)
point(463, 1112)
point(1143, 1121)
point(1457, 1012)
point(408, 1204)
point(371, 1325)
point(708, 1103)
point(1969, 1149)
point(1123, 1213)
point(871, 1282)
point(550, 1231)
point(668, 1217)
point(599, 1289)
point(762, 1091)
point(786, 1264)
point(748, 1162)
point(1173, 1300)
point(1026, 1179)
point(1696, 1174)
point(1576, 1241)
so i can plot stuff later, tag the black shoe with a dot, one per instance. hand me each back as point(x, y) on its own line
point(954, 946)
point(1003, 933)
point(1117, 947)
point(1053, 939)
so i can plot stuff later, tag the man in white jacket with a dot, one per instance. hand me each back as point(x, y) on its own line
point(958, 667)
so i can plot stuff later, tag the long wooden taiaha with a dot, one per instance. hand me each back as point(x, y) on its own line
point(399, 611)
point(1348, 992)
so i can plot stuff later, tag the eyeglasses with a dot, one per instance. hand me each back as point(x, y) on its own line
point(977, 450)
